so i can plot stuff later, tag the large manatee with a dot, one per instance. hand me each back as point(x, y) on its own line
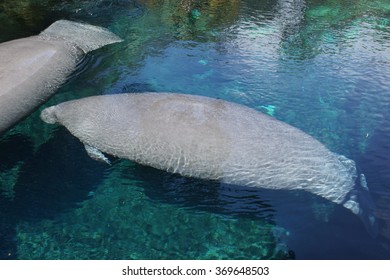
point(212, 139)
point(32, 68)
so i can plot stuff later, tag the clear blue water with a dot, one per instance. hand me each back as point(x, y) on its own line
point(320, 65)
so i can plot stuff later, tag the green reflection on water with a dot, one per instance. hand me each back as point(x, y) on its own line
point(119, 221)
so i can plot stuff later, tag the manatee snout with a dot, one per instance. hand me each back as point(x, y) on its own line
point(48, 115)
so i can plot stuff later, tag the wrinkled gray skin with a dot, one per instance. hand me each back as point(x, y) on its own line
point(32, 68)
point(209, 138)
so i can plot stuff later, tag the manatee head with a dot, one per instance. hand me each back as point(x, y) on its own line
point(48, 115)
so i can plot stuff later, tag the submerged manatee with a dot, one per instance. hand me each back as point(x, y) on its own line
point(32, 68)
point(211, 139)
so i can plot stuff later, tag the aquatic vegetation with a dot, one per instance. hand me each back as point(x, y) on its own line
point(7, 181)
point(322, 64)
point(29, 11)
point(121, 222)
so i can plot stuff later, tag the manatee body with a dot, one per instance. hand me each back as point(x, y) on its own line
point(209, 138)
point(32, 68)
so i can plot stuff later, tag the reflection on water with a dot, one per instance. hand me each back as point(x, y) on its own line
point(322, 66)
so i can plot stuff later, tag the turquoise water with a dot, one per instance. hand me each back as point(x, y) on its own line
point(322, 66)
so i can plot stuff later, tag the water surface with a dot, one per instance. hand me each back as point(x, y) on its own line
point(321, 65)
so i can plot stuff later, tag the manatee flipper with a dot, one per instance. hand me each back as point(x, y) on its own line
point(96, 154)
point(85, 36)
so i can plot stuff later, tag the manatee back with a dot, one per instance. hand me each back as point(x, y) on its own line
point(30, 71)
point(208, 138)
point(32, 68)
point(166, 131)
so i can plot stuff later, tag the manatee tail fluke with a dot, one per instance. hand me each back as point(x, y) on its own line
point(370, 222)
point(367, 208)
point(361, 203)
point(367, 212)
point(87, 37)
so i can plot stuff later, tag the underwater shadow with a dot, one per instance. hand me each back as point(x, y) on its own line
point(198, 195)
point(311, 227)
point(56, 179)
point(375, 164)
point(14, 150)
point(203, 195)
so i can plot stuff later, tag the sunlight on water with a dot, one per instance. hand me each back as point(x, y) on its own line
point(321, 66)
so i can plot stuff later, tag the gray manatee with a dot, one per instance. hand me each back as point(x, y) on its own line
point(32, 68)
point(213, 139)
